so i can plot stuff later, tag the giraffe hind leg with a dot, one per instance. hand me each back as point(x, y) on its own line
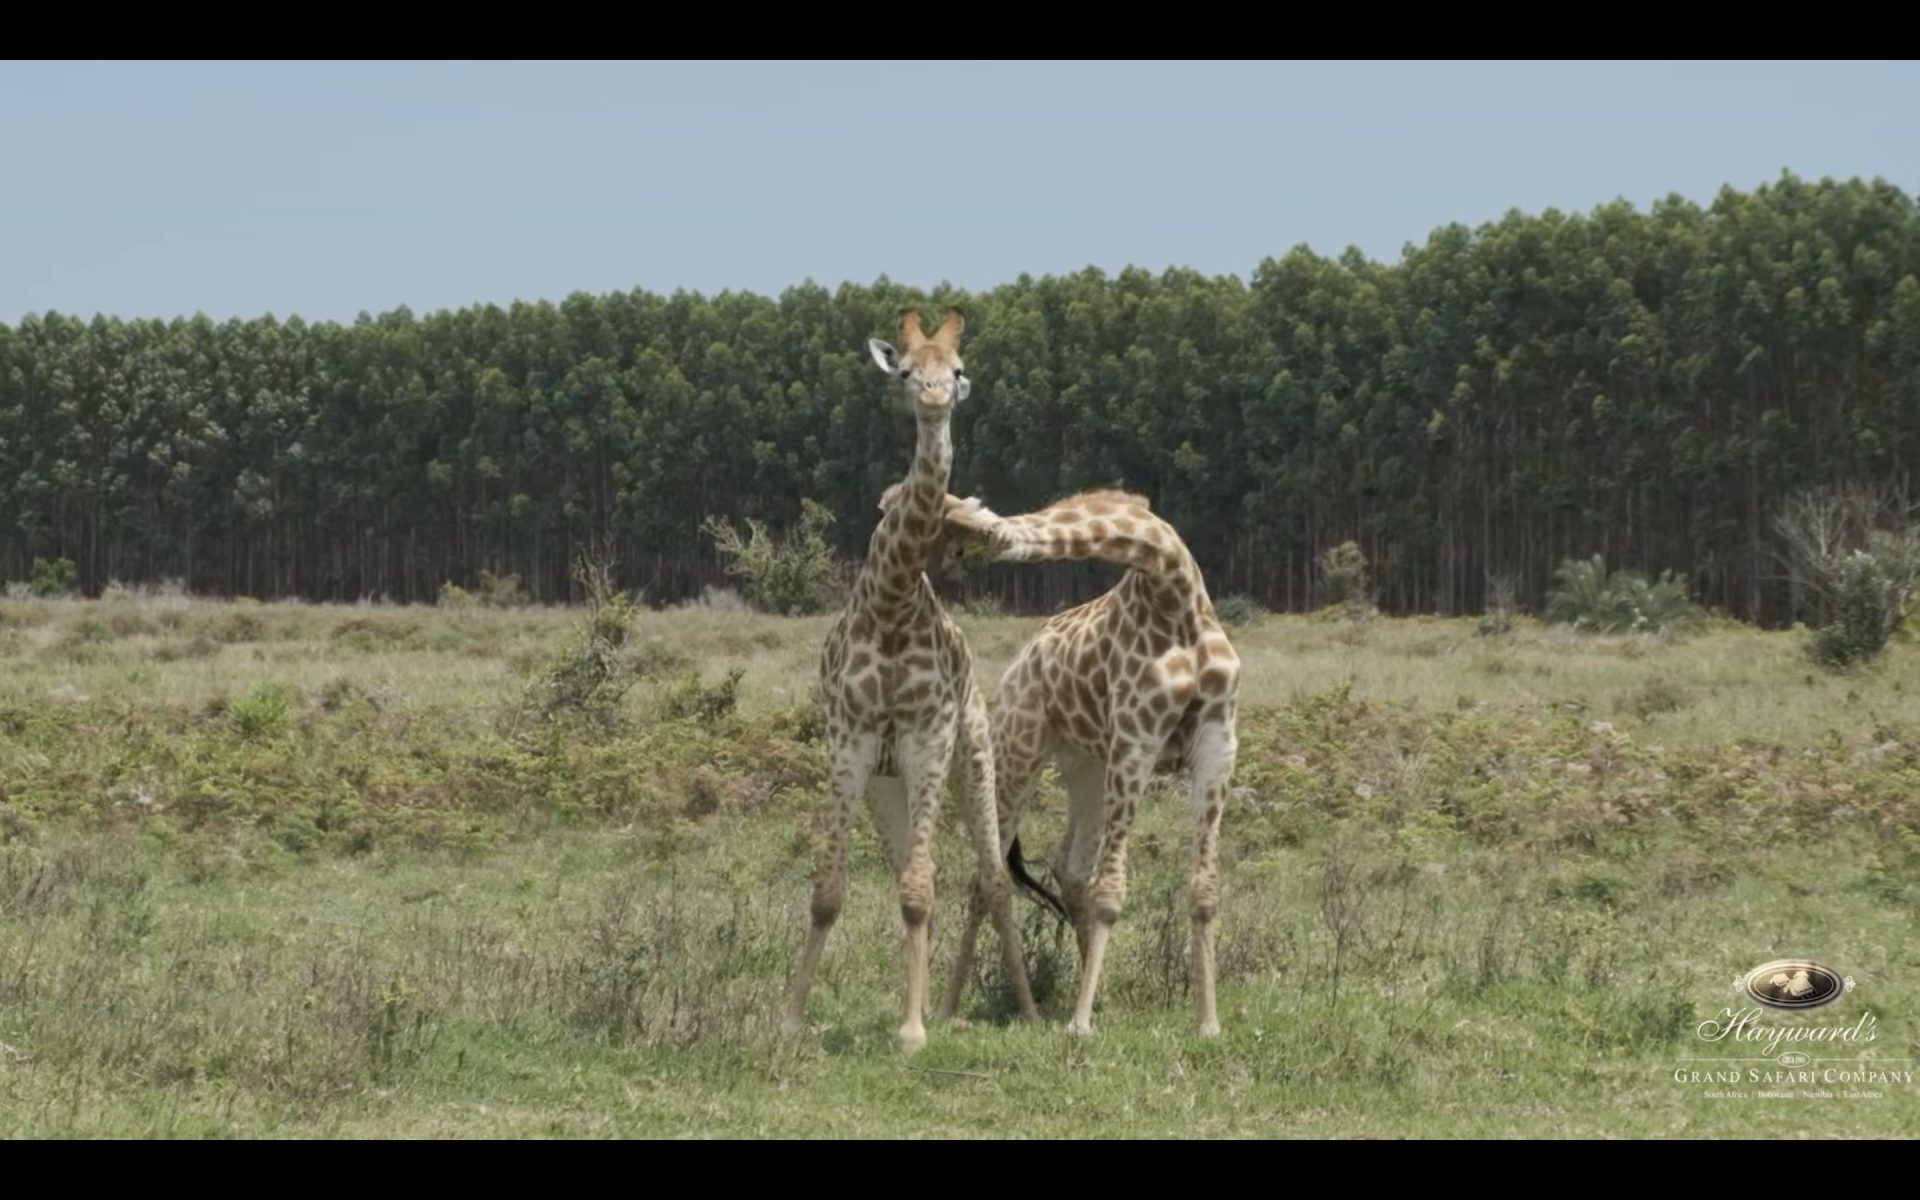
point(853, 756)
point(1128, 771)
point(991, 892)
point(1215, 748)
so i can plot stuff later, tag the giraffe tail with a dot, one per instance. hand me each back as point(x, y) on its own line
point(1017, 867)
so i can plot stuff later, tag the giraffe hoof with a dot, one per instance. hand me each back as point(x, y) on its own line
point(1079, 1028)
point(1209, 1029)
point(913, 1038)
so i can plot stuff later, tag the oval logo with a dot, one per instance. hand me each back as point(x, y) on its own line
point(1793, 1058)
point(1793, 983)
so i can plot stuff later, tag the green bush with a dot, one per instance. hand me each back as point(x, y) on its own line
point(1503, 602)
point(1238, 610)
point(502, 591)
point(261, 712)
point(1593, 601)
point(693, 699)
point(590, 676)
point(1854, 549)
point(1343, 577)
point(790, 576)
point(1872, 592)
point(53, 577)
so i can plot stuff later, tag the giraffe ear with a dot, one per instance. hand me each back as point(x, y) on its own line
point(912, 332)
point(948, 334)
point(884, 356)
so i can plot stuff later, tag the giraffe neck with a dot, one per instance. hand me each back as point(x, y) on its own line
point(897, 555)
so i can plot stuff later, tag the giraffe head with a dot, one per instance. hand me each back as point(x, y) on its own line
point(928, 368)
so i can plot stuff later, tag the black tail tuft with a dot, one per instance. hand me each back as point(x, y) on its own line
point(1017, 867)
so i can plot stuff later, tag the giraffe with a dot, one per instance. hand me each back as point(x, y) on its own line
point(900, 698)
point(1141, 679)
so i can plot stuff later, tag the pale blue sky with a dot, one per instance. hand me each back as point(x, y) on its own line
point(326, 189)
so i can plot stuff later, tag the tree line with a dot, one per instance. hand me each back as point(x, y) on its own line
point(1641, 385)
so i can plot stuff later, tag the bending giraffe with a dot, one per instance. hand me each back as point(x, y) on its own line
point(1140, 680)
point(900, 697)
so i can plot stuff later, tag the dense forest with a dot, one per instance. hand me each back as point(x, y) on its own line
point(1643, 385)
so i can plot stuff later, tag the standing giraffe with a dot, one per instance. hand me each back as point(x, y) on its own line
point(1140, 680)
point(899, 694)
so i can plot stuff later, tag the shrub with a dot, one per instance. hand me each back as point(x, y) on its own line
point(790, 576)
point(1503, 601)
point(1238, 610)
point(1656, 696)
point(502, 591)
point(590, 676)
point(1343, 577)
point(1592, 601)
point(693, 699)
point(53, 577)
point(1856, 550)
point(453, 596)
point(261, 712)
point(1872, 592)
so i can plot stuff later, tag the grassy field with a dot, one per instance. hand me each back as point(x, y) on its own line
point(289, 870)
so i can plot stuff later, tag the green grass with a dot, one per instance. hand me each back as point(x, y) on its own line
point(294, 870)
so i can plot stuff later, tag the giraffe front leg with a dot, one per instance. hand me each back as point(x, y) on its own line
point(1127, 774)
point(853, 757)
point(1215, 748)
point(926, 757)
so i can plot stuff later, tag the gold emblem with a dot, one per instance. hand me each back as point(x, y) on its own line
point(1793, 984)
